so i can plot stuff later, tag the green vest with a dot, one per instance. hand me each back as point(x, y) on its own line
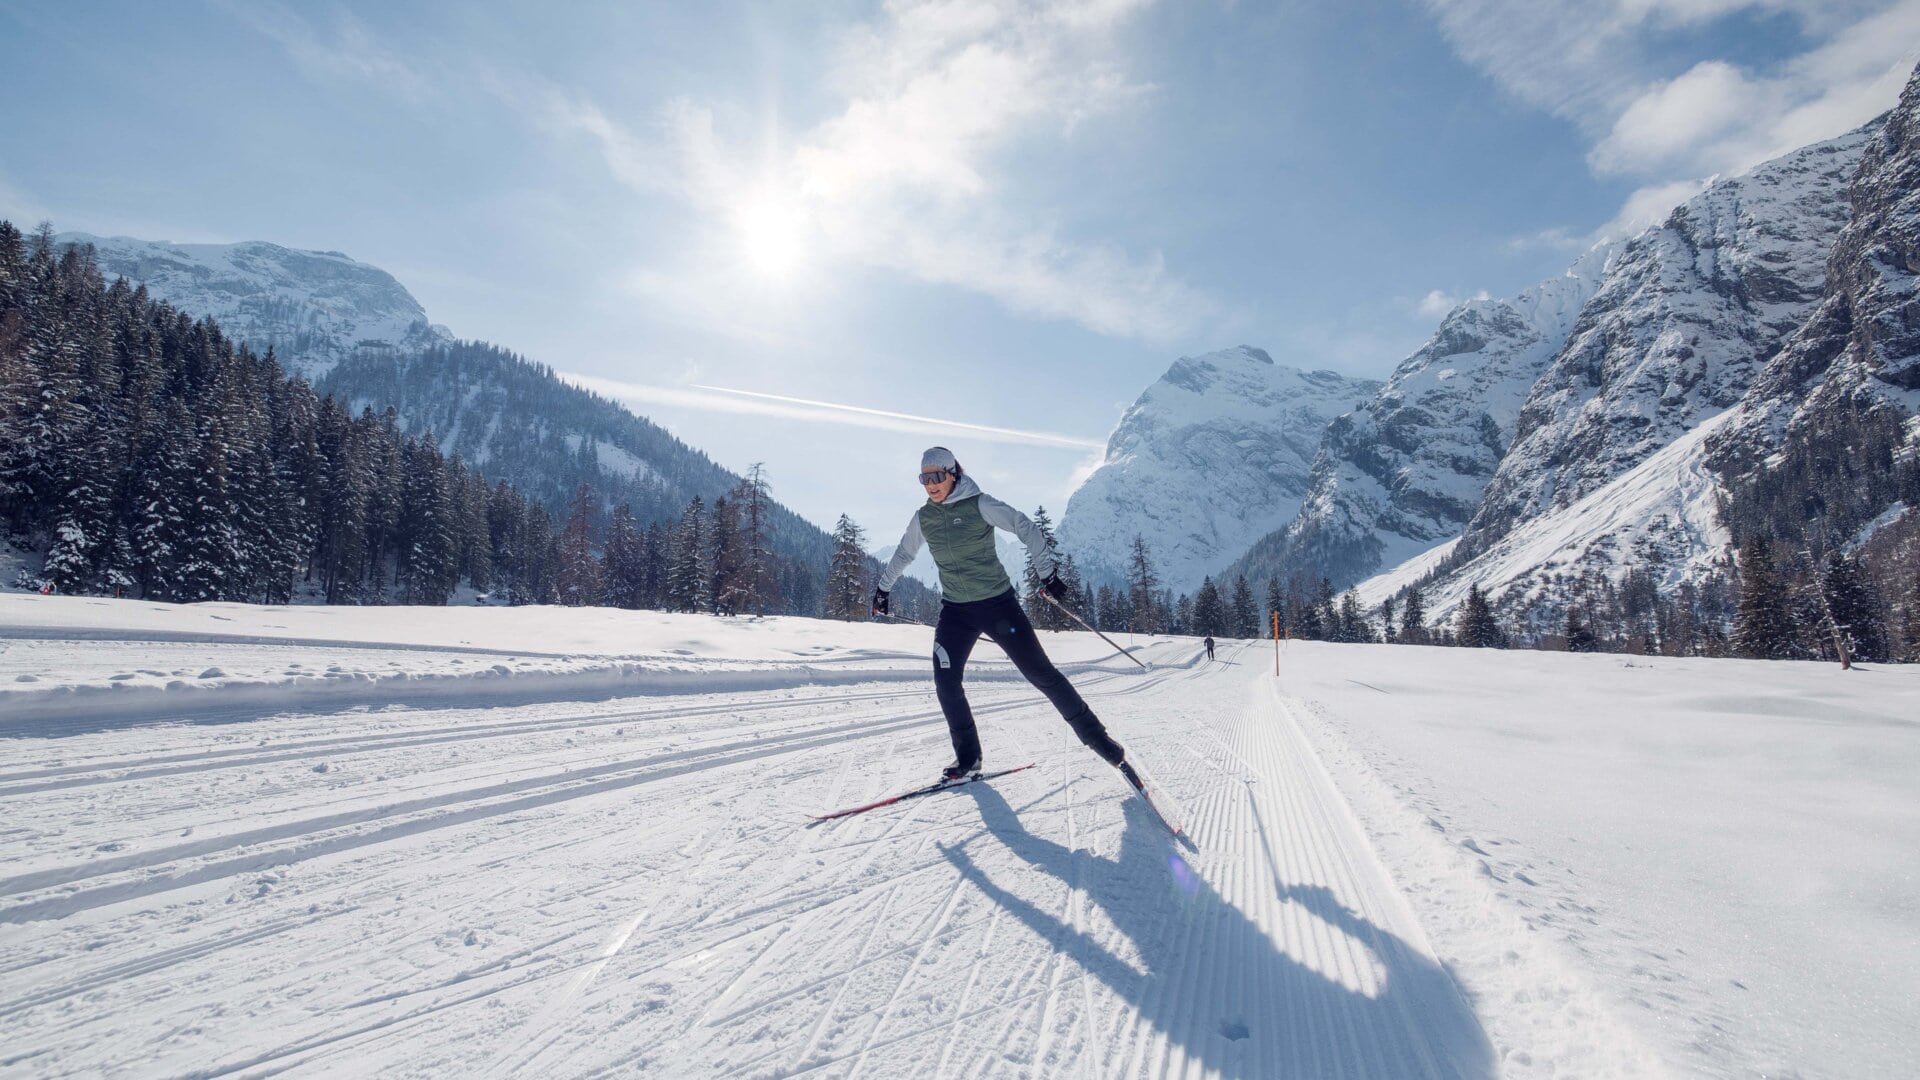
point(961, 542)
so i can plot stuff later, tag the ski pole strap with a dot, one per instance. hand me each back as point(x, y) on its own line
point(1083, 622)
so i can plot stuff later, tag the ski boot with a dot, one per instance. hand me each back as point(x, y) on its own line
point(957, 773)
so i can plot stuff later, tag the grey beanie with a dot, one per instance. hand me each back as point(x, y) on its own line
point(939, 457)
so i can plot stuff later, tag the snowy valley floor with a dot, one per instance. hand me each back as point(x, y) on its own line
point(246, 841)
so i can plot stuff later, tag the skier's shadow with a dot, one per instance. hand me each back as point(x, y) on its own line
point(1214, 984)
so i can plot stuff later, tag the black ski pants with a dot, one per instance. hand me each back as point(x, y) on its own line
point(1005, 624)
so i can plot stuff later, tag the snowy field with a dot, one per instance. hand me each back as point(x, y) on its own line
point(491, 842)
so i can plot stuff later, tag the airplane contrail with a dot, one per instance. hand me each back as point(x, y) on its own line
point(1045, 437)
point(728, 399)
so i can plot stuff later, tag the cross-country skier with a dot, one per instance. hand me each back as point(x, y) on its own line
point(977, 597)
point(1209, 646)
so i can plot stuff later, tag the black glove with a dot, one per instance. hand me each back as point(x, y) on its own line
point(880, 602)
point(1055, 587)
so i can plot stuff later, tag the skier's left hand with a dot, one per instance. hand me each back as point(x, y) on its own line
point(1055, 587)
point(880, 602)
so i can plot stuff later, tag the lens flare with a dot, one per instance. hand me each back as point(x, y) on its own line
point(1183, 875)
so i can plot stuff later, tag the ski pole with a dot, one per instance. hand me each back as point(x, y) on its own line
point(1083, 622)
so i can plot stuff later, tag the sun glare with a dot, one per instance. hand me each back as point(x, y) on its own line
point(773, 232)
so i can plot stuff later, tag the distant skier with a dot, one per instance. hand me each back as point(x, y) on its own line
point(1209, 642)
point(977, 598)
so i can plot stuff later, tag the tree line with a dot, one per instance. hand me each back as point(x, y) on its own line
point(143, 453)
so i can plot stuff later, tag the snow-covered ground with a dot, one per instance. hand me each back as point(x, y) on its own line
point(1403, 862)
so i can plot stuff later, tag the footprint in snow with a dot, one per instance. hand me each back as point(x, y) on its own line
point(1234, 1029)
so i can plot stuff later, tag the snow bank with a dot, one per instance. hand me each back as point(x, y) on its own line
point(78, 663)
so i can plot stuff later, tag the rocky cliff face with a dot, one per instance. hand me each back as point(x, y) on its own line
point(1211, 457)
point(1683, 322)
point(1825, 442)
point(1407, 471)
point(312, 308)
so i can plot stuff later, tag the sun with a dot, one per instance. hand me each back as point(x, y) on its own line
point(773, 233)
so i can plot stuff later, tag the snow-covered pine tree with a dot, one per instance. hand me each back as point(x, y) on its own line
point(1043, 615)
point(1578, 634)
point(1076, 598)
point(1209, 611)
point(728, 587)
point(753, 496)
point(1143, 590)
point(1413, 619)
point(1475, 626)
point(505, 508)
point(622, 573)
point(538, 557)
point(1853, 611)
point(1763, 627)
point(577, 575)
point(1353, 621)
point(848, 593)
point(656, 549)
point(686, 584)
point(1243, 617)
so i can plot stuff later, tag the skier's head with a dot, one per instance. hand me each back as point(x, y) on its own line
point(939, 472)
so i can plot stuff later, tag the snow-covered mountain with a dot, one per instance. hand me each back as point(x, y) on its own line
point(1211, 457)
point(1662, 516)
point(312, 308)
point(1827, 444)
point(1406, 472)
point(1610, 466)
point(359, 335)
point(1684, 319)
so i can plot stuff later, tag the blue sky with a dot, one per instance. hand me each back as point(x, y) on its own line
point(1008, 215)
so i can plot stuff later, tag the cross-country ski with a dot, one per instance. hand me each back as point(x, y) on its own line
point(936, 786)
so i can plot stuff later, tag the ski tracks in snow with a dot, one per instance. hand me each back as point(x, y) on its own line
point(572, 891)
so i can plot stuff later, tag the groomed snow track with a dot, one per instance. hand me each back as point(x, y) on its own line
point(627, 887)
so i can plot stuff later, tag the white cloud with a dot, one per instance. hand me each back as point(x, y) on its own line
point(1439, 302)
point(909, 174)
point(1595, 64)
point(1649, 206)
point(1675, 120)
point(1557, 238)
point(349, 50)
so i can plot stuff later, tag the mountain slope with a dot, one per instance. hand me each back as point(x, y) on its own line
point(1661, 516)
point(1407, 471)
point(357, 334)
point(312, 308)
point(1686, 317)
point(1826, 442)
point(1212, 456)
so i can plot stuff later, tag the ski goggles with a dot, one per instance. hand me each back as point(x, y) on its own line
point(937, 476)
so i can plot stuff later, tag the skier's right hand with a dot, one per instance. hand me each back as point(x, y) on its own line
point(880, 602)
